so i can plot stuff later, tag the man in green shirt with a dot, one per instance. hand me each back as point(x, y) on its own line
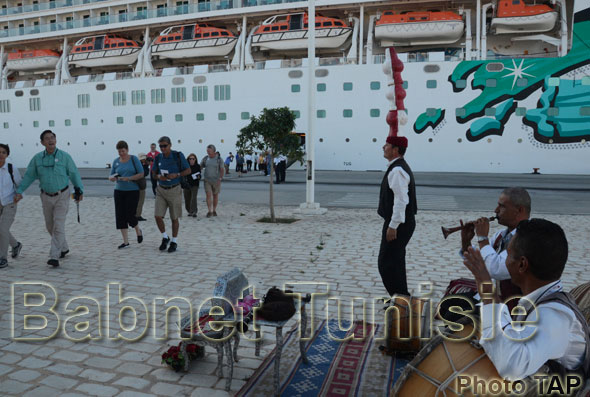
point(54, 168)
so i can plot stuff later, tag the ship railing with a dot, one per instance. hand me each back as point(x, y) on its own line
point(424, 56)
point(44, 6)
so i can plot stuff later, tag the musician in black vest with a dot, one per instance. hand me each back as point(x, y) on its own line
point(556, 334)
point(397, 206)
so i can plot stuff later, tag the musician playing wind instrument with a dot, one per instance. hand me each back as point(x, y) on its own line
point(557, 334)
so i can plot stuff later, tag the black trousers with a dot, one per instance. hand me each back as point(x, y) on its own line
point(154, 183)
point(126, 208)
point(392, 258)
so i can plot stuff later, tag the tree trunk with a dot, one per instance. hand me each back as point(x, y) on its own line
point(272, 201)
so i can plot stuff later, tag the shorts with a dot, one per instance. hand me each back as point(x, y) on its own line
point(212, 187)
point(169, 199)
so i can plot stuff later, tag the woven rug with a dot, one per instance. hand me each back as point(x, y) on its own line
point(352, 368)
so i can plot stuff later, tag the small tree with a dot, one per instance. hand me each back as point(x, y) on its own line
point(272, 132)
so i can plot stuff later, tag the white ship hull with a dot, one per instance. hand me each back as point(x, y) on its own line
point(217, 47)
point(533, 23)
point(122, 56)
point(33, 64)
point(409, 33)
point(331, 38)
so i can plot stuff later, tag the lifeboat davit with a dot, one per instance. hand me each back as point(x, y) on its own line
point(514, 16)
point(416, 28)
point(191, 41)
point(289, 32)
point(32, 60)
point(104, 50)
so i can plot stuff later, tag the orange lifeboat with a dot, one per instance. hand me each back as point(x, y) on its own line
point(191, 41)
point(416, 28)
point(104, 50)
point(32, 60)
point(289, 32)
point(514, 16)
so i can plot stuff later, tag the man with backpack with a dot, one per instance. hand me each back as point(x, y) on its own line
point(169, 168)
point(212, 175)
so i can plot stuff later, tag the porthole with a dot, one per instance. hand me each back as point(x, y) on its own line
point(295, 74)
point(102, 142)
point(18, 93)
point(222, 141)
point(179, 141)
point(550, 140)
point(34, 92)
point(101, 87)
point(459, 140)
point(489, 140)
point(84, 143)
point(347, 140)
point(68, 143)
point(431, 68)
point(519, 140)
point(429, 139)
point(374, 139)
point(200, 79)
point(321, 139)
point(495, 67)
point(321, 72)
point(200, 141)
point(177, 81)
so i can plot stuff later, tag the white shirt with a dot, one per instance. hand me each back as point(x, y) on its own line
point(556, 335)
point(495, 261)
point(399, 181)
point(248, 157)
point(7, 189)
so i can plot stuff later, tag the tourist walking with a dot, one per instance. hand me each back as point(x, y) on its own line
point(151, 156)
point(239, 163)
point(227, 163)
point(9, 180)
point(54, 168)
point(212, 171)
point(191, 186)
point(142, 184)
point(126, 171)
point(248, 158)
point(169, 167)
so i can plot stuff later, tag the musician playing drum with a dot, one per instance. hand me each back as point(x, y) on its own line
point(559, 337)
point(514, 205)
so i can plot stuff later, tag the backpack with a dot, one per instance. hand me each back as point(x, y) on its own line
point(141, 183)
point(11, 172)
point(277, 305)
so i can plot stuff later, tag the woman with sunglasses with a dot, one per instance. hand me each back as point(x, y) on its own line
point(190, 187)
point(125, 171)
point(9, 180)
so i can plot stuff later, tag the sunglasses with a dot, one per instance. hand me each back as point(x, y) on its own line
point(163, 146)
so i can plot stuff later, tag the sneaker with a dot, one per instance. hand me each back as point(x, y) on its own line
point(124, 245)
point(53, 262)
point(3, 263)
point(63, 254)
point(140, 237)
point(16, 250)
point(164, 244)
point(141, 218)
point(172, 247)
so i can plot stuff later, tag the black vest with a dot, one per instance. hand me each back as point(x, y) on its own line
point(386, 194)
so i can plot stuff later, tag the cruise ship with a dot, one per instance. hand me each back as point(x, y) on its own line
point(492, 85)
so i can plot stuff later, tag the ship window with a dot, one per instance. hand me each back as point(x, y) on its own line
point(178, 117)
point(274, 28)
point(52, 123)
point(586, 80)
point(266, 29)
point(522, 82)
point(34, 92)
point(158, 118)
point(82, 49)
point(4, 106)
point(321, 114)
point(388, 13)
point(119, 98)
point(295, 88)
point(83, 101)
point(460, 112)
point(84, 121)
point(347, 86)
point(200, 116)
point(492, 83)
point(138, 97)
point(553, 82)
point(35, 104)
point(305, 26)
point(213, 34)
point(374, 112)
point(296, 113)
point(5, 125)
point(68, 122)
point(224, 34)
point(430, 112)
point(495, 67)
point(405, 84)
point(205, 34)
point(120, 120)
point(198, 36)
point(200, 93)
point(462, 83)
point(221, 116)
point(222, 92)
point(138, 119)
point(347, 113)
point(490, 111)
point(430, 83)
point(178, 94)
point(321, 87)
point(245, 115)
point(121, 45)
point(321, 72)
point(552, 111)
point(100, 87)
point(431, 68)
point(375, 85)
point(90, 47)
point(129, 44)
point(284, 27)
point(295, 74)
point(521, 111)
point(35, 124)
point(584, 110)
point(177, 37)
point(318, 24)
point(158, 95)
point(424, 18)
point(338, 23)
point(412, 19)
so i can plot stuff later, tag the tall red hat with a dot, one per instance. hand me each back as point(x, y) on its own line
point(399, 141)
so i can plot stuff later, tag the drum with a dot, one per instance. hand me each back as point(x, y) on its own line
point(582, 296)
point(436, 369)
point(408, 320)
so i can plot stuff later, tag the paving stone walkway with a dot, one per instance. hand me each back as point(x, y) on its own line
point(339, 248)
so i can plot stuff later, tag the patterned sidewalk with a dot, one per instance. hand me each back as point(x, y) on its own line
point(339, 248)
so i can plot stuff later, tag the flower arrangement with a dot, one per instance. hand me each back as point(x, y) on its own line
point(176, 359)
